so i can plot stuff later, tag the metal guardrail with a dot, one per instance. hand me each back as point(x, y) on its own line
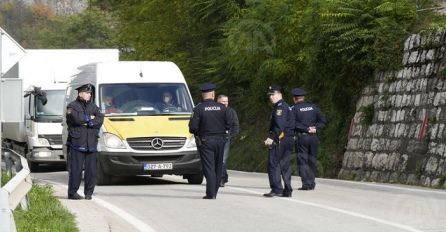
point(15, 191)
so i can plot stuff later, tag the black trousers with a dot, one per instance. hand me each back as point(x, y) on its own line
point(279, 165)
point(77, 159)
point(306, 150)
point(211, 154)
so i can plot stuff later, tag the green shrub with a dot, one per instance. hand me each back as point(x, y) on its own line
point(368, 112)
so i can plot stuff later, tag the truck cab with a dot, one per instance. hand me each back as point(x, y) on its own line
point(43, 126)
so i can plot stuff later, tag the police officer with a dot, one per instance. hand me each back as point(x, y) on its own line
point(280, 141)
point(84, 120)
point(209, 123)
point(308, 119)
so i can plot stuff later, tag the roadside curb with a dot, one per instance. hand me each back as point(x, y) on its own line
point(90, 216)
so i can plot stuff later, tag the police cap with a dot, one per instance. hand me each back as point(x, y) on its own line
point(298, 92)
point(208, 88)
point(84, 88)
point(272, 89)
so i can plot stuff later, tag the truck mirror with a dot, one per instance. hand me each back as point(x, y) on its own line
point(41, 95)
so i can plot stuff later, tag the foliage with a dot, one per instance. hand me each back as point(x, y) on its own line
point(433, 119)
point(352, 176)
point(40, 28)
point(367, 113)
point(419, 171)
point(441, 181)
point(46, 213)
point(355, 26)
point(330, 48)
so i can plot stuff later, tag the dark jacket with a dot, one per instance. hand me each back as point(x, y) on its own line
point(281, 121)
point(233, 131)
point(83, 137)
point(307, 115)
point(209, 119)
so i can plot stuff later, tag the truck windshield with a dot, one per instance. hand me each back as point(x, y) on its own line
point(54, 105)
point(145, 99)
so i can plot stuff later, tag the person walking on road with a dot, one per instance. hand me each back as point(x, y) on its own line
point(233, 131)
point(209, 123)
point(308, 119)
point(84, 120)
point(280, 142)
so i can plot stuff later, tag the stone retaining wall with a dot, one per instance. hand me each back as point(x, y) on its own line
point(389, 149)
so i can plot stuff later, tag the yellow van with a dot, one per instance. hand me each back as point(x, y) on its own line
point(147, 107)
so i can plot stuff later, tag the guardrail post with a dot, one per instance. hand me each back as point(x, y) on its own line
point(8, 161)
point(25, 200)
point(18, 166)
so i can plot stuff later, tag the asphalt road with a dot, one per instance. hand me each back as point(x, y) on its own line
point(171, 204)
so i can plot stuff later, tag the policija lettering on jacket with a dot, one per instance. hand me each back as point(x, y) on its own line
point(210, 122)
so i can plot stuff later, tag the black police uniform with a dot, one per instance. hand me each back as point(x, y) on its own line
point(82, 142)
point(306, 115)
point(281, 131)
point(210, 121)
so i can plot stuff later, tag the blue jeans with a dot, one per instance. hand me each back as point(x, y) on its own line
point(224, 173)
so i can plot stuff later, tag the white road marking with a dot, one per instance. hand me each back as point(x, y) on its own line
point(138, 224)
point(394, 224)
point(374, 184)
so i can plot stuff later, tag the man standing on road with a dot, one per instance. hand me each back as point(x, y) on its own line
point(84, 120)
point(233, 131)
point(209, 123)
point(308, 119)
point(280, 142)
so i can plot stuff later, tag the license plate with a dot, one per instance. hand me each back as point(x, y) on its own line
point(158, 166)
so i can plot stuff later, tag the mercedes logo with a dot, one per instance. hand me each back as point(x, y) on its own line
point(157, 143)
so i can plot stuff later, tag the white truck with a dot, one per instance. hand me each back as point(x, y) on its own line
point(44, 75)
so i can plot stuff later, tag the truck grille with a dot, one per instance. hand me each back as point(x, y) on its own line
point(53, 139)
point(157, 143)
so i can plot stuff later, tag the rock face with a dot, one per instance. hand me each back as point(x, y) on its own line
point(390, 148)
point(62, 7)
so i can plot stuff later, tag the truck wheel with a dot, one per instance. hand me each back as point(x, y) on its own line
point(195, 178)
point(33, 167)
point(102, 178)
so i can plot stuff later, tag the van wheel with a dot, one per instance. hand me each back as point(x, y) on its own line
point(195, 178)
point(102, 178)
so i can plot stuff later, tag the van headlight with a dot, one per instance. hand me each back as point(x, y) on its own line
point(191, 143)
point(43, 141)
point(113, 141)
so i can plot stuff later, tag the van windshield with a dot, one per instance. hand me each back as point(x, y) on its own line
point(145, 99)
point(53, 106)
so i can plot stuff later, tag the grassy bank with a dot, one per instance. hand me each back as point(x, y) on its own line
point(46, 213)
